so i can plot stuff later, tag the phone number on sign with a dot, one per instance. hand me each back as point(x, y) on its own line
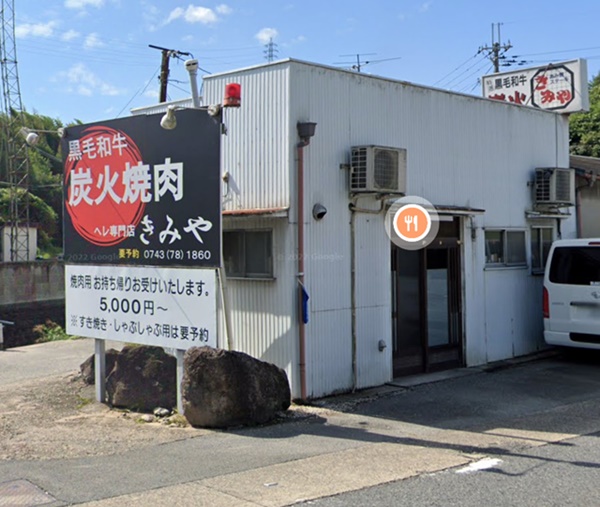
point(195, 255)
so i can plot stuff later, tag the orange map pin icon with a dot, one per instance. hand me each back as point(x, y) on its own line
point(412, 223)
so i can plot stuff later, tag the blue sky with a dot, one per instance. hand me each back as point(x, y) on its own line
point(90, 60)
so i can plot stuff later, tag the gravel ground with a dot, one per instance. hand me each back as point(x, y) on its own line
point(57, 417)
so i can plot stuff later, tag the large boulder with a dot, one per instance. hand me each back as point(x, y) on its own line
point(143, 378)
point(222, 389)
point(88, 367)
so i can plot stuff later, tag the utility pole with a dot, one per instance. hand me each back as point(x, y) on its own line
point(164, 68)
point(496, 51)
point(270, 50)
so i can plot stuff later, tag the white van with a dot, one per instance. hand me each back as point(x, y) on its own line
point(572, 294)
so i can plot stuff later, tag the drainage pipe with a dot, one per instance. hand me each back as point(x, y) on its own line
point(300, 218)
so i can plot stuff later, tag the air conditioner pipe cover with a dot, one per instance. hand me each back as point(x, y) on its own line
point(319, 211)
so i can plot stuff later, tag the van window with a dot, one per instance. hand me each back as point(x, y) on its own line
point(575, 265)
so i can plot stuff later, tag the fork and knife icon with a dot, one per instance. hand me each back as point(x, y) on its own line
point(411, 219)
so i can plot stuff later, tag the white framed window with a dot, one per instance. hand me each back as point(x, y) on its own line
point(541, 241)
point(248, 253)
point(505, 248)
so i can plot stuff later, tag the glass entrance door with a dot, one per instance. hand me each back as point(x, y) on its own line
point(426, 296)
point(407, 311)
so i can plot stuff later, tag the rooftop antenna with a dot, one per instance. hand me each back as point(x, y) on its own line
point(360, 64)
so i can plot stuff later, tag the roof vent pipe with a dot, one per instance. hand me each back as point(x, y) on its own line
point(192, 67)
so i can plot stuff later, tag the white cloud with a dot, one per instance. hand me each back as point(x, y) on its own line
point(108, 89)
point(151, 16)
point(81, 80)
point(425, 6)
point(69, 35)
point(35, 29)
point(82, 4)
point(223, 9)
point(266, 34)
point(92, 41)
point(194, 14)
point(151, 94)
point(175, 14)
point(200, 15)
point(84, 90)
point(299, 39)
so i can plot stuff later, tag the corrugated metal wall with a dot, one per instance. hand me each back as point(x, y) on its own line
point(590, 210)
point(257, 154)
point(462, 151)
point(256, 151)
point(264, 312)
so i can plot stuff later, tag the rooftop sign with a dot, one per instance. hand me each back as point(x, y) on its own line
point(560, 87)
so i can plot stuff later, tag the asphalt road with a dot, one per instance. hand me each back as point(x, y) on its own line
point(559, 394)
point(45, 359)
point(531, 427)
point(555, 475)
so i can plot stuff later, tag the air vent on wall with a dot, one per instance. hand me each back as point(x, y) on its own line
point(554, 186)
point(378, 169)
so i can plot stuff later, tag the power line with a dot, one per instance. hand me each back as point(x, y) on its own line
point(557, 52)
point(469, 76)
point(118, 51)
point(475, 63)
point(478, 82)
point(178, 87)
point(139, 92)
point(454, 70)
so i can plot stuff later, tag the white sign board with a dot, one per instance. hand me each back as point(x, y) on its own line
point(165, 307)
point(560, 87)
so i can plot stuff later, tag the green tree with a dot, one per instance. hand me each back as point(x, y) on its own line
point(44, 182)
point(40, 214)
point(585, 127)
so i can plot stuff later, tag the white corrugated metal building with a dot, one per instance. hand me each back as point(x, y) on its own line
point(375, 311)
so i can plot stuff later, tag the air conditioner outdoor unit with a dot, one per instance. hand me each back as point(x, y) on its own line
point(554, 186)
point(378, 169)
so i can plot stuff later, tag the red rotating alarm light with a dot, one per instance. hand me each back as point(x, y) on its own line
point(233, 95)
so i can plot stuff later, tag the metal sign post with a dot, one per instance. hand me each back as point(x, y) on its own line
point(100, 370)
point(179, 356)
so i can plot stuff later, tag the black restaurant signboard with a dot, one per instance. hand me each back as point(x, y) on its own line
point(137, 194)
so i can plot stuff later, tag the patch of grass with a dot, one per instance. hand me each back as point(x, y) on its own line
point(83, 401)
point(51, 332)
point(176, 420)
point(142, 420)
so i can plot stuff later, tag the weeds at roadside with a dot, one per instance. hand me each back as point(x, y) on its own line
point(51, 332)
point(83, 401)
